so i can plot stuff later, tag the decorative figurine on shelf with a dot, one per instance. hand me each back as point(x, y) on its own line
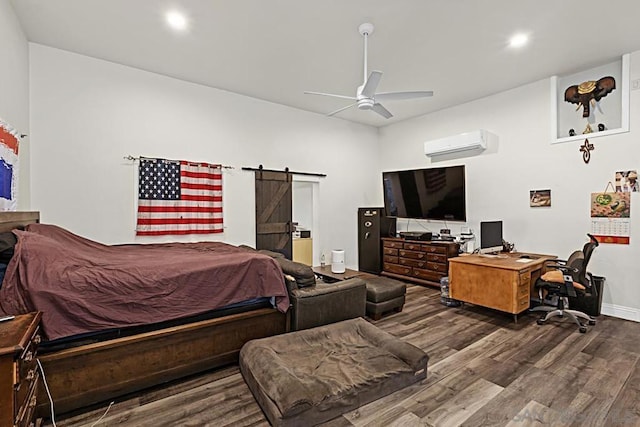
point(586, 94)
point(601, 127)
point(572, 132)
point(587, 129)
point(586, 149)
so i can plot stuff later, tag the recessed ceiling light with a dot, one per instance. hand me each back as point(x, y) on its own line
point(176, 20)
point(519, 40)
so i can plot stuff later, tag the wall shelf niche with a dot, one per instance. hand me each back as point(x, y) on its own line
point(612, 110)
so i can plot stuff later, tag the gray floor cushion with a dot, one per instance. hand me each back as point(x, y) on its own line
point(311, 376)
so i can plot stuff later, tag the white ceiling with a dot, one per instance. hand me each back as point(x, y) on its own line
point(276, 49)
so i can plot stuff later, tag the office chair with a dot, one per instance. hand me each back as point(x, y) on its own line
point(575, 282)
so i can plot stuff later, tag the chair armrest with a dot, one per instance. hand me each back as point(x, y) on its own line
point(328, 288)
point(328, 303)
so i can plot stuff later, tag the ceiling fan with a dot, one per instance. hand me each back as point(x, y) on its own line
point(366, 97)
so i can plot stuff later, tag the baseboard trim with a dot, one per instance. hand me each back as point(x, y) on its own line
point(621, 312)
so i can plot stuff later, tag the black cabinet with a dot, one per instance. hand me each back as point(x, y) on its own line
point(372, 226)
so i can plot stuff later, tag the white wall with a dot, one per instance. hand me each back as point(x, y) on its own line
point(14, 90)
point(87, 114)
point(499, 180)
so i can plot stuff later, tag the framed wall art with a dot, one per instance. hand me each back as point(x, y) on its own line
point(590, 103)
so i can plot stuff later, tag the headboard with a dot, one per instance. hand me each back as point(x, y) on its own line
point(10, 219)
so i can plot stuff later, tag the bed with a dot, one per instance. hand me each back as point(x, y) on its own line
point(114, 351)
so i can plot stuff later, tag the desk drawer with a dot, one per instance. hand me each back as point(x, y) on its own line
point(411, 254)
point(522, 303)
point(522, 291)
point(392, 244)
point(397, 269)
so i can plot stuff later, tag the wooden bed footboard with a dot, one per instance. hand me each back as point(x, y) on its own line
point(98, 372)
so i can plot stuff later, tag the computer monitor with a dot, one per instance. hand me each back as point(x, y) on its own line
point(490, 237)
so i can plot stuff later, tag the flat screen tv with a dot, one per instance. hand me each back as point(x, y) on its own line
point(434, 193)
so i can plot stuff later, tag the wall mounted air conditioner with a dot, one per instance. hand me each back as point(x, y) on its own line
point(475, 141)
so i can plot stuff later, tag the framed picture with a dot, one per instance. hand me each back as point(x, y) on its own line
point(597, 102)
point(539, 198)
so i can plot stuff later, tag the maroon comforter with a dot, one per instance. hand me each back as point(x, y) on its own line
point(83, 286)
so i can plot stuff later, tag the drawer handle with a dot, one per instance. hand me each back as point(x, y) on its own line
point(33, 402)
point(37, 339)
point(421, 264)
point(28, 357)
point(31, 374)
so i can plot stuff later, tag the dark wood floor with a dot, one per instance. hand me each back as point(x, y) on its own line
point(484, 370)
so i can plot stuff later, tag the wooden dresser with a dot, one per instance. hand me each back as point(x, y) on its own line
point(19, 375)
point(424, 263)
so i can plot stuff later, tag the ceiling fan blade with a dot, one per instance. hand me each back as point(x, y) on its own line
point(341, 109)
point(395, 96)
point(378, 108)
point(369, 88)
point(330, 94)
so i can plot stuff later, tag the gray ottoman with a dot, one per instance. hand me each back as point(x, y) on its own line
point(384, 295)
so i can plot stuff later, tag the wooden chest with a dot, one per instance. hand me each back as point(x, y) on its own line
point(19, 375)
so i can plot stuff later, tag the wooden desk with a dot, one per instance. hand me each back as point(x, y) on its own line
point(503, 283)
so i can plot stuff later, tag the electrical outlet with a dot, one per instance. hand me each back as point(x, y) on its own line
point(635, 84)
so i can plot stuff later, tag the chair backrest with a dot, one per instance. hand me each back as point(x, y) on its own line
point(581, 262)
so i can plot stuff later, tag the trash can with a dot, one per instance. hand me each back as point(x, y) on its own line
point(589, 304)
point(444, 294)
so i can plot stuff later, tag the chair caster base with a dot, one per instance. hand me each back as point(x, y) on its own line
point(540, 321)
point(582, 329)
point(592, 322)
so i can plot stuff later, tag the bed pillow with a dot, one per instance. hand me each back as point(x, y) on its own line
point(8, 241)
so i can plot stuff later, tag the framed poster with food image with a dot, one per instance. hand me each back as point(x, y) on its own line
point(611, 217)
point(539, 198)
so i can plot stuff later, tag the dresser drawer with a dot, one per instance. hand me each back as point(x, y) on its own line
point(427, 274)
point(413, 246)
point(411, 254)
point(27, 360)
point(391, 259)
point(392, 244)
point(436, 266)
point(435, 249)
point(397, 269)
point(390, 251)
point(413, 262)
point(27, 406)
point(436, 257)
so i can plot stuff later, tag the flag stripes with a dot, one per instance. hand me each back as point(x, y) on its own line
point(179, 197)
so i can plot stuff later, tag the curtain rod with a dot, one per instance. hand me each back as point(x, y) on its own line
point(133, 159)
point(261, 169)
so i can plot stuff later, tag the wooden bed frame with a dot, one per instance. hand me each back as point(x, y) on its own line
point(98, 372)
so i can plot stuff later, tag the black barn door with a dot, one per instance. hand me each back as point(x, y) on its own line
point(273, 211)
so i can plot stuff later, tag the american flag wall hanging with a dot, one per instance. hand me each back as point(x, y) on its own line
point(178, 197)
